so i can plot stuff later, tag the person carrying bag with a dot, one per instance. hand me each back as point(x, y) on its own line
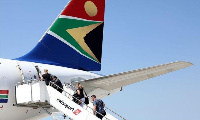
point(79, 97)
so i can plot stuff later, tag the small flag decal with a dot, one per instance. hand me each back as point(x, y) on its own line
point(4, 96)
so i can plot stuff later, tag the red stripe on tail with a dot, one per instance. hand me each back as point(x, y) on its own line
point(78, 8)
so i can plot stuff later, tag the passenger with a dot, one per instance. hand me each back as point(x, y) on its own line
point(57, 84)
point(47, 77)
point(80, 94)
point(98, 107)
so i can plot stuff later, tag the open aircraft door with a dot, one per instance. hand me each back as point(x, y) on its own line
point(28, 71)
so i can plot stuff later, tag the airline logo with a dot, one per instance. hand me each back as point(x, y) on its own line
point(82, 29)
point(76, 112)
point(4, 96)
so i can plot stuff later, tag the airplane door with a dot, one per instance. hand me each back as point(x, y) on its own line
point(28, 71)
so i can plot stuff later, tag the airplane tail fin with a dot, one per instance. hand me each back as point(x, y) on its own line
point(75, 38)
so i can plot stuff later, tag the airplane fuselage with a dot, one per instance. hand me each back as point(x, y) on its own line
point(10, 75)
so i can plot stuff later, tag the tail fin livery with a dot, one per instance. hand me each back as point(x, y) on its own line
point(75, 38)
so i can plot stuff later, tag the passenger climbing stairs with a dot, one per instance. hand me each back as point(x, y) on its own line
point(38, 95)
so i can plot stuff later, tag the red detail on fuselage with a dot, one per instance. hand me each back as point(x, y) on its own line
point(4, 91)
point(76, 112)
point(76, 9)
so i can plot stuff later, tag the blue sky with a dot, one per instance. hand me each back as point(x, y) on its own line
point(137, 34)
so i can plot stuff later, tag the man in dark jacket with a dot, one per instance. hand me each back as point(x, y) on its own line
point(47, 77)
point(57, 84)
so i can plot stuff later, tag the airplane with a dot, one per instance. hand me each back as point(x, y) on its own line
point(68, 50)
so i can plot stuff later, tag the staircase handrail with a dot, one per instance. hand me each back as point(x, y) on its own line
point(51, 84)
point(106, 108)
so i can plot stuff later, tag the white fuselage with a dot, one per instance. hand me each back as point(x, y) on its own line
point(10, 75)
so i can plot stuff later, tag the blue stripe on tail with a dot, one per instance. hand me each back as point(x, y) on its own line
point(60, 54)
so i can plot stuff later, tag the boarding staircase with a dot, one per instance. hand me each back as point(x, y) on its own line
point(36, 94)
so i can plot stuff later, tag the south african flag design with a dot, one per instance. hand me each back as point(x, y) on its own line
point(4, 96)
